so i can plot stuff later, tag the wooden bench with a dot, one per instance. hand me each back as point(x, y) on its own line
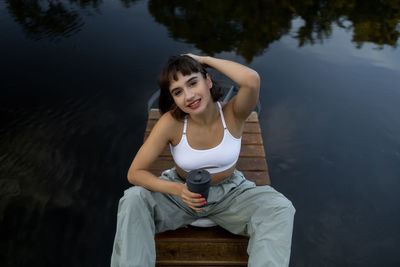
point(213, 246)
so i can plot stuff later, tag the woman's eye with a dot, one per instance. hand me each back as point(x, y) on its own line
point(177, 92)
point(192, 84)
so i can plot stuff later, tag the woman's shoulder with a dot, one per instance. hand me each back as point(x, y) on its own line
point(169, 120)
point(169, 125)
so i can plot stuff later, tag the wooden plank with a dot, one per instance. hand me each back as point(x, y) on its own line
point(253, 117)
point(196, 251)
point(258, 177)
point(190, 233)
point(251, 164)
point(154, 114)
point(252, 151)
point(176, 263)
point(252, 139)
point(252, 127)
point(201, 247)
point(214, 252)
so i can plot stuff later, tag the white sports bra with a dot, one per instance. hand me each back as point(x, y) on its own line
point(214, 160)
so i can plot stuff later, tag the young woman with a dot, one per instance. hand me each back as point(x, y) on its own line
point(202, 133)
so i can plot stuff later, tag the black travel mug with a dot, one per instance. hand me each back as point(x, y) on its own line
point(199, 181)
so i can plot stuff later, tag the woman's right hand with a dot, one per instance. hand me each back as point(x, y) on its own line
point(200, 59)
point(193, 200)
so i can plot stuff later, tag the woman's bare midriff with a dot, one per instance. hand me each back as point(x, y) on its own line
point(216, 178)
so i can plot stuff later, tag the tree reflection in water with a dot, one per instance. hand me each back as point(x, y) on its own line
point(245, 27)
point(53, 19)
point(249, 27)
point(41, 19)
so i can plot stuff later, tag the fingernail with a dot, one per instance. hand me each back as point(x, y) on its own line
point(199, 195)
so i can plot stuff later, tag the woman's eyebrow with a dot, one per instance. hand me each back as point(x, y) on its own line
point(188, 81)
point(194, 77)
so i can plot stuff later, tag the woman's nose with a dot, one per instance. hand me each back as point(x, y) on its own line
point(189, 94)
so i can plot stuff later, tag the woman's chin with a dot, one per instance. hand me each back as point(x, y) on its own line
point(194, 112)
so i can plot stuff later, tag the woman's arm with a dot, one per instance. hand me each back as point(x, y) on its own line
point(138, 173)
point(248, 80)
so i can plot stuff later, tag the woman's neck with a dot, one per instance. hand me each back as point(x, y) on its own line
point(208, 116)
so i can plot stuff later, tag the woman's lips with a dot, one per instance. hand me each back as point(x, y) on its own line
point(194, 104)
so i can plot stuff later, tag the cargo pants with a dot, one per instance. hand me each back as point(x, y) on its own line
point(236, 204)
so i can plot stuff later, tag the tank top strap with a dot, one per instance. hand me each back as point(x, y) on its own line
point(222, 114)
point(185, 125)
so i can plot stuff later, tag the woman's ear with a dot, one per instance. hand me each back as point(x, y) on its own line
point(209, 81)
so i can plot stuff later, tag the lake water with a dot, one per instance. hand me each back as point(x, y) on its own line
point(76, 77)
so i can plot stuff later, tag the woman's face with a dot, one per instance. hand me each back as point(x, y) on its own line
point(191, 93)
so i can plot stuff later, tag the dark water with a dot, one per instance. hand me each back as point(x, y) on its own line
point(76, 75)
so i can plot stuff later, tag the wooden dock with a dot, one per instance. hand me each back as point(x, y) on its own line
point(213, 246)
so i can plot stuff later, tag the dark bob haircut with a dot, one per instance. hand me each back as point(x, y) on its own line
point(185, 65)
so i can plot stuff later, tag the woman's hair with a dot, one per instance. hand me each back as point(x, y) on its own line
point(185, 65)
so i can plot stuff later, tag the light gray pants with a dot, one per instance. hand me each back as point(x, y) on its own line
point(236, 204)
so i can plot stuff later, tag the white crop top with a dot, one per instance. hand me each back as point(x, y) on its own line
point(214, 160)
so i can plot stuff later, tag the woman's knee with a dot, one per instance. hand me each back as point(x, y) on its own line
point(286, 206)
point(278, 206)
point(135, 196)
